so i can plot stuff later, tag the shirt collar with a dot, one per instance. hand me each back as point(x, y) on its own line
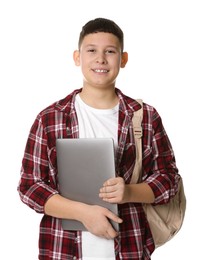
point(127, 104)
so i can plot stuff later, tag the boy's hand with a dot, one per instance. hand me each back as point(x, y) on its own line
point(114, 191)
point(96, 220)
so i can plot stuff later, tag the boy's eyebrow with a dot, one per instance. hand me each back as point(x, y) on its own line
point(107, 46)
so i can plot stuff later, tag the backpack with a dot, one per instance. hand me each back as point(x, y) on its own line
point(165, 220)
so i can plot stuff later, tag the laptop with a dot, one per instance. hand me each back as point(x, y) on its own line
point(84, 164)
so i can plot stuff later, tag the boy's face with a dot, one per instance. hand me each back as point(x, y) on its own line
point(100, 58)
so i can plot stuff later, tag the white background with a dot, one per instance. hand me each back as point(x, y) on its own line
point(166, 42)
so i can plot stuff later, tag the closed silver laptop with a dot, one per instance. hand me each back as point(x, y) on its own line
point(84, 164)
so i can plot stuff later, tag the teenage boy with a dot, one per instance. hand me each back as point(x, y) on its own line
point(98, 109)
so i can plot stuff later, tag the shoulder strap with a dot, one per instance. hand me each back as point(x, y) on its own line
point(137, 127)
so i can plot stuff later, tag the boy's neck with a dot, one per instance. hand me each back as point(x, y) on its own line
point(99, 98)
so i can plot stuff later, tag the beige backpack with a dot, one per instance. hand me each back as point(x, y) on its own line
point(164, 220)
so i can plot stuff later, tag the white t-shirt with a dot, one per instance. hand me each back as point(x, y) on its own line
point(95, 123)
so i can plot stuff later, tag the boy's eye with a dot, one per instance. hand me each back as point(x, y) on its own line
point(110, 51)
point(91, 50)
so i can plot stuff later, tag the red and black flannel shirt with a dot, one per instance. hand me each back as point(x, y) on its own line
point(39, 176)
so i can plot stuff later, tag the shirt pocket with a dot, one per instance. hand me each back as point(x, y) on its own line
point(127, 162)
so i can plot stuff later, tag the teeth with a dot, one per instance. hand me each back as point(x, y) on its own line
point(101, 71)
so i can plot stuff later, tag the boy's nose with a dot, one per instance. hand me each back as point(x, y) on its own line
point(101, 59)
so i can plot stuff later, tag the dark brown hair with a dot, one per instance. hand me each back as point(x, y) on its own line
point(102, 25)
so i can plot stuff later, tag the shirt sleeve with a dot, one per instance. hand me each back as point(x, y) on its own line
point(160, 170)
point(37, 182)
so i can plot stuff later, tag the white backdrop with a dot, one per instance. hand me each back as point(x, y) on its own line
point(166, 42)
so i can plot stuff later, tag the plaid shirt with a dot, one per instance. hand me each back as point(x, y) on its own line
point(39, 176)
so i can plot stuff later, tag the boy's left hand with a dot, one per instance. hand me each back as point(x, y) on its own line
point(114, 191)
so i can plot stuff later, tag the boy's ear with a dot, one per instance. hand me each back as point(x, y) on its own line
point(124, 59)
point(76, 57)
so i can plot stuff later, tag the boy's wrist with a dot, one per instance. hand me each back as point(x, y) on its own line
point(138, 193)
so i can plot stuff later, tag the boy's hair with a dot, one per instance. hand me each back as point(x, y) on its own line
point(102, 25)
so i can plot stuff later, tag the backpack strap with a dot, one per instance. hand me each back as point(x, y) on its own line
point(137, 127)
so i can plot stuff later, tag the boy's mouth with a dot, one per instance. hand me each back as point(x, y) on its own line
point(100, 70)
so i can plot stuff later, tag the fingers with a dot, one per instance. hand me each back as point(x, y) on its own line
point(111, 232)
point(108, 191)
point(110, 215)
point(98, 222)
point(110, 182)
point(113, 190)
point(111, 185)
point(107, 195)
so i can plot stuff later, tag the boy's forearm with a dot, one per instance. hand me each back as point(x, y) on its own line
point(140, 193)
point(60, 207)
point(94, 218)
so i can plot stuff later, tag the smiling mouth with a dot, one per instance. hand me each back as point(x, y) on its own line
point(100, 71)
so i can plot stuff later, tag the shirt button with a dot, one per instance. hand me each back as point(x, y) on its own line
point(77, 240)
